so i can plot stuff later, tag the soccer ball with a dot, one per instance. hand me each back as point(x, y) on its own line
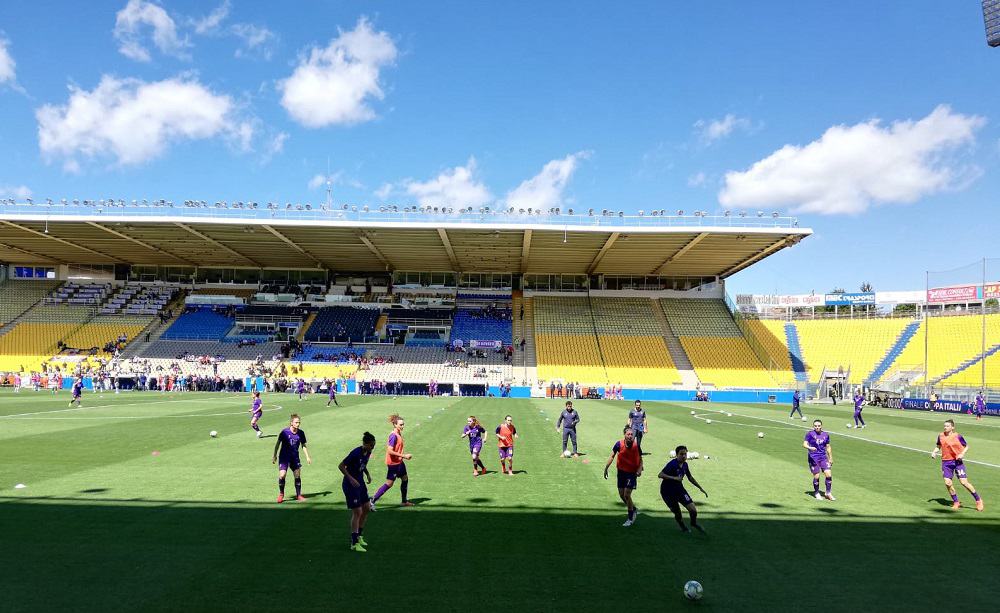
point(693, 455)
point(708, 421)
point(567, 453)
point(213, 434)
point(692, 412)
point(693, 590)
point(729, 414)
point(673, 453)
point(760, 435)
point(803, 418)
point(849, 426)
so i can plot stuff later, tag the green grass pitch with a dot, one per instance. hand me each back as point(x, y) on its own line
point(104, 523)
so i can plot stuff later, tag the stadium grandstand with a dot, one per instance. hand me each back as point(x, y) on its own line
point(475, 302)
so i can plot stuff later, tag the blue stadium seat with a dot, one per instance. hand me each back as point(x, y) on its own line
point(199, 325)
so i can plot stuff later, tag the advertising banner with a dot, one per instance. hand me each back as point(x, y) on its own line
point(856, 299)
point(778, 300)
point(941, 406)
point(991, 290)
point(958, 293)
point(484, 344)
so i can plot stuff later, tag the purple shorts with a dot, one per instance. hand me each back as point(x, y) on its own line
point(289, 463)
point(953, 468)
point(355, 496)
point(257, 414)
point(818, 465)
point(395, 470)
point(626, 481)
point(476, 448)
point(506, 453)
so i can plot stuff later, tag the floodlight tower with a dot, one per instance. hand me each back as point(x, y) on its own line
point(991, 16)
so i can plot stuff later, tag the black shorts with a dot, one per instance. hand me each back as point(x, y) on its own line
point(355, 496)
point(626, 481)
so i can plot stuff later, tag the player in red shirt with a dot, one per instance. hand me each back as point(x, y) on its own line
point(629, 460)
point(506, 433)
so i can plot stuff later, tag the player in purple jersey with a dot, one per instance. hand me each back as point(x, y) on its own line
point(256, 411)
point(796, 400)
point(300, 388)
point(477, 434)
point(332, 391)
point(77, 391)
point(354, 467)
point(859, 401)
point(672, 489)
point(820, 457)
point(980, 406)
point(286, 449)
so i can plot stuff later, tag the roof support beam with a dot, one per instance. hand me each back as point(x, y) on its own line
point(140, 243)
point(680, 252)
point(59, 240)
point(31, 253)
point(525, 249)
point(295, 246)
point(788, 242)
point(363, 237)
point(448, 248)
point(211, 240)
point(600, 254)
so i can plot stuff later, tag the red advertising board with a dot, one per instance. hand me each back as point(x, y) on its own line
point(959, 293)
point(991, 290)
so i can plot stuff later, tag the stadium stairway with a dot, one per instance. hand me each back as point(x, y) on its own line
point(301, 336)
point(795, 353)
point(689, 378)
point(966, 364)
point(894, 351)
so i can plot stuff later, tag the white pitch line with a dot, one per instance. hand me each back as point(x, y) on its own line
point(105, 406)
point(859, 438)
point(276, 408)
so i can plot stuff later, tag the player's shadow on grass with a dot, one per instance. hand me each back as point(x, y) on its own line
point(420, 501)
point(95, 490)
point(318, 494)
point(944, 502)
point(268, 436)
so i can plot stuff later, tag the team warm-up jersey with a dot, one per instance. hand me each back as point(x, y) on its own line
point(820, 442)
point(355, 462)
point(674, 469)
point(951, 445)
point(629, 458)
point(290, 443)
point(505, 435)
point(637, 418)
point(396, 444)
point(257, 404)
point(858, 401)
point(475, 434)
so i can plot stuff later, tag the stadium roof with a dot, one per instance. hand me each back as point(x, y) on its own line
point(342, 240)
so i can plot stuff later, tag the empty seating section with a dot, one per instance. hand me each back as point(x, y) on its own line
point(16, 297)
point(342, 324)
point(952, 340)
point(695, 317)
point(973, 375)
point(421, 364)
point(134, 299)
point(726, 362)
point(199, 325)
point(477, 324)
point(770, 335)
point(101, 331)
point(30, 338)
point(854, 344)
point(630, 339)
point(565, 344)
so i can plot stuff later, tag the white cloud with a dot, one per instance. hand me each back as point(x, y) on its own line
point(257, 40)
point(7, 64)
point(386, 190)
point(134, 121)
point(711, 130)
point(137, 16)
point(338, 178)
point(545, 190)
point(277, 143)
point(19, 192)
point(851, 167)
point(697, 180)
point(210, 23)
point(455, 187)
point(334, 85)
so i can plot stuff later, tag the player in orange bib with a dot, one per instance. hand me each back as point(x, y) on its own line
point(629, 470)
point(394, 457)
point(953, 448)
point(506, 433)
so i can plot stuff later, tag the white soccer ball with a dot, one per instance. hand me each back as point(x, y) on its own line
point(729, 414)
point(803, 418)
point(673, 453)
point(849, 426)
point(760, 435)
point(213, 434)
point(693, 455)
point(708, 421)
point(693, 590)
point(567, 453)
point(692, 412)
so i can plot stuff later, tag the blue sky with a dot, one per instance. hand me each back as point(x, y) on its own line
point(876, 125)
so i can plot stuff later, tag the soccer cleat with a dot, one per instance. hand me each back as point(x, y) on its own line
point(362, 541)
point(576, 455)
point(685, 529)
point(979, 505)
point(358, 547)
point(475, 473)
point(818, 496)
point(830, 497)
point(698, 528)
point(260, 433)
point(281, 498)
point(406, 504)
point(956, 505)
point(371, 505)
point(628, 523)
point(300, 498)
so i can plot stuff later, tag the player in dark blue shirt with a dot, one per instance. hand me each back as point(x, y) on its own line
point(286, 449)
point(354, 466)
point(672, 489)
